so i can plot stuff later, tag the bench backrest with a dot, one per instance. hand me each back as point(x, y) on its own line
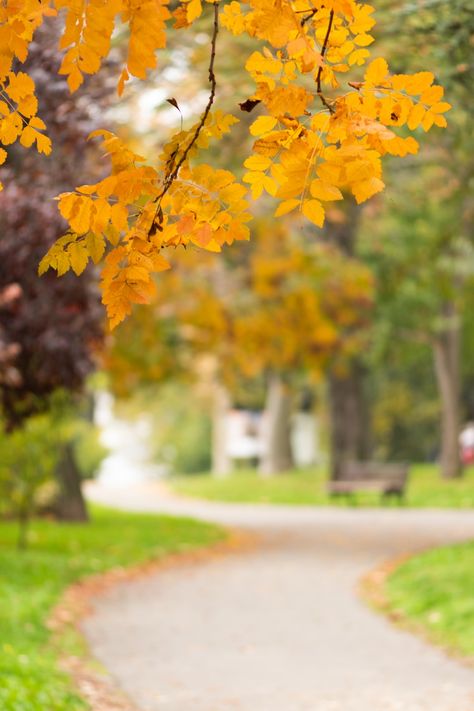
point(396, 473)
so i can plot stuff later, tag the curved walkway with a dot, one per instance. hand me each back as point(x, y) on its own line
point(278, 627)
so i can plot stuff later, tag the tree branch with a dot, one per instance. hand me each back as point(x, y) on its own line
point(320, 71)
point(174, 167)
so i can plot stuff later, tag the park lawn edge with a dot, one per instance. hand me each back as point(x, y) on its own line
point(308, 487)
point(373, 590)
point(89, 679)
point(65, 644)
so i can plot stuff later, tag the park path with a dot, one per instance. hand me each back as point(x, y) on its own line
point(278, 627)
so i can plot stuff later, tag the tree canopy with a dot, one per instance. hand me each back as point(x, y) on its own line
point(328, 116)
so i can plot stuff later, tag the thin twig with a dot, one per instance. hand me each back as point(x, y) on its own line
point(309, 17)
point(174, 168)
point(320, 71)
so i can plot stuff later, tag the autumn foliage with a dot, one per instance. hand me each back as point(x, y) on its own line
point(327, 116)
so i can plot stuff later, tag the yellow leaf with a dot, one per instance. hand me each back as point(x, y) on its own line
point(160, 264)
point(213, 246)
point(67, 203)
point(329, 173)
point(358, 57)
point(440, 121)
point(102, 215)
point(78, 257)
point(432, 95)
point(270, 186)
point(441, 108)
point(258, 162)
point(416, 116)
point(232, 18)
point(28, 137)
point(428, 121)
point(419, 82)
point(286, 206)
point(86, 189)
point(28, 107)
point(136, 273)
point(259, 182)
point(44, 265)
point(75, 79)
point(43, 144)
point(147, 34)
point(124, 77)
point(314, 211)
point(365, 189)
point(10, 128)
point(19, 86)
point(119, 217)
point(95, 246)
point(363, 40)
point(376, 72)
point(325, 191)
point(193, 10)
point(61, 263)
point(36, 122)
point(262, 125)
point(80, 220)
point(113, 235)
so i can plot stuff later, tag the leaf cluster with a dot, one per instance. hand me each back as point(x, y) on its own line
point(324, 128)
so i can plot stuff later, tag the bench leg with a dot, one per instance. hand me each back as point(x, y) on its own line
point(388, 496)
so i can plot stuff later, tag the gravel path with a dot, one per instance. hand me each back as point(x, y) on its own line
point(278, 627)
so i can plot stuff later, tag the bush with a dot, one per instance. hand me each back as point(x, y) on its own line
point(28, 458)
point(88, 449)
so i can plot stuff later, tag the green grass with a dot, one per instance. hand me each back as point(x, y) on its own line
point(425, 489)
point(436, 590)
point(32, 581)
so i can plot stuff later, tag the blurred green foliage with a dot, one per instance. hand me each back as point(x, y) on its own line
point(88, 449)
point(182, 429)
point(28, 457)
point(181, 424)
point(30, 454)
point(31, 583)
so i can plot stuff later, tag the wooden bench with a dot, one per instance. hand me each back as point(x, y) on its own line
point(386, 479)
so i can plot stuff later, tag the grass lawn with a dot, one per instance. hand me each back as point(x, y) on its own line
point(436, 590)
point(425, 488)
point(32, 581)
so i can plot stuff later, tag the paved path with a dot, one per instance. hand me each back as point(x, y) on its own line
point(279, 627)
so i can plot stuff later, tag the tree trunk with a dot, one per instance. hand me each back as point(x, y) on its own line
point(349, 411)
point(70, 505)
point(221, 462)
point(350, 428)
point(446, 357)
point(277, 456)
point(342, 232)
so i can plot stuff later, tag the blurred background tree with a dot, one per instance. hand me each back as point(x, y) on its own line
point(253, 320)
point(405, 394)
point(50, 328)
point(420, 243)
